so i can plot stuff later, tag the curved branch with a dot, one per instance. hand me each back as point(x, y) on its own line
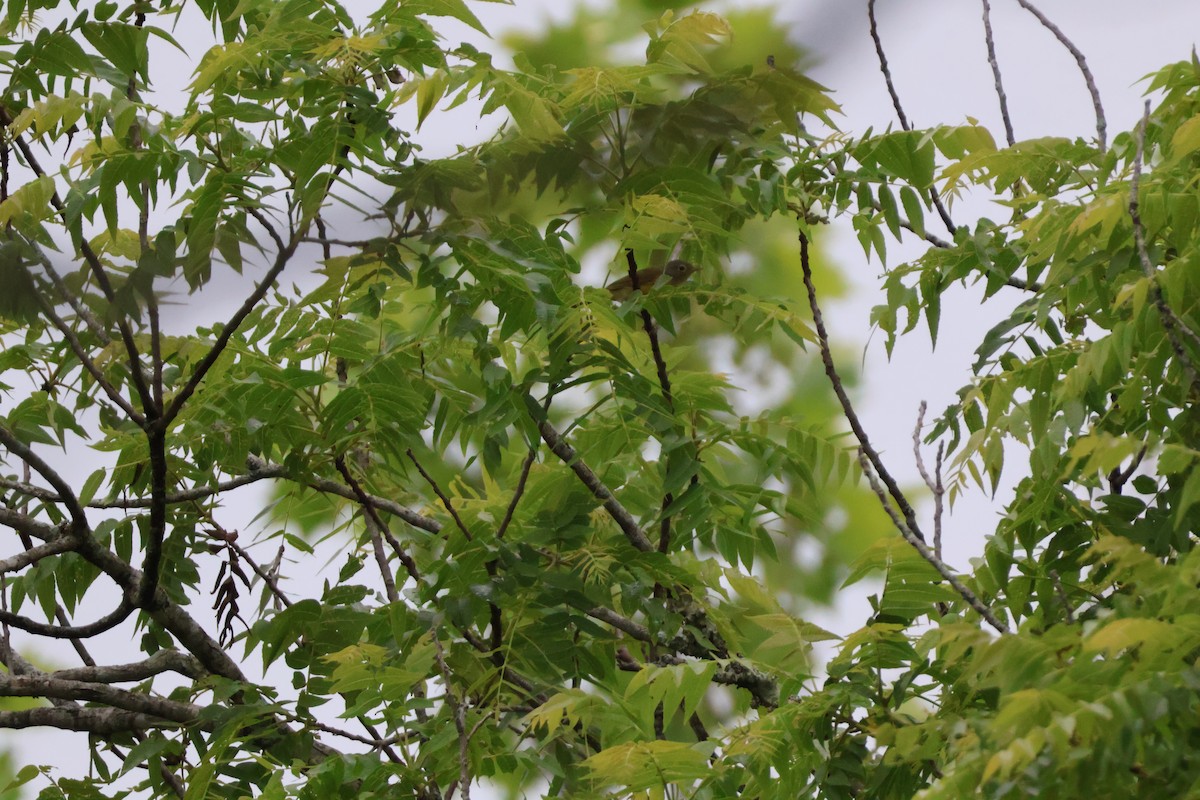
point(105, 623)
point(1101, 125)
point(66, 495)
point(23, 559)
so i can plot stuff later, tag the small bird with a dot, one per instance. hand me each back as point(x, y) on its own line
point(675, 272)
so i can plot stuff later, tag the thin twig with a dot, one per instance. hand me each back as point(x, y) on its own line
point(939, 493)
point(991, 51)
point(93, 261)
point(885, 69)
point(526, 466)
point(81, 311)
point(449, 506)
point(904, 122)
point(1171, 323)
point(210, 358)
point(459, 712)
point(409, 565)
point(1101, 125)
point(937, 241)
point(847, 407)
point(919, 545)
point(935, 486)
point(88, 364)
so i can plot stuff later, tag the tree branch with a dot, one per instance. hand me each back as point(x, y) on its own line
point(991, 51)
point(66, 494)
point(449, 506)
point(1101, 125)
point(847, 407)
point(625, 521)
point(160, 662)
point(23, 559)
point(904, 123)
point(48, 685)
point(93, 261)
point(409, 516)
point(369, 509)
point(96, 721)
point(105, 623)
point(918, 543)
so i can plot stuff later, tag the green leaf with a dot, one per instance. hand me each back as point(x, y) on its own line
point(445, 8)
point(641, 766)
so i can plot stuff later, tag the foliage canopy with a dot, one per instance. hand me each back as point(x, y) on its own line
point(564, 548)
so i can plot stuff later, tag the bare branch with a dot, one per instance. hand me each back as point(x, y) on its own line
point(29, 526)
point(634, 629)
point(885, 69)
point(847, 407)
point(904, 123)
point(97, 721)
point(914, 539)
point(1101, 125)
point(1172, 324)
point(105, 623)
point(210, 358)
point(49, 685)
point(459, 712)
point(409, 564)
point(160, 662)
point(934, 485)
point(526, 466)
point(664, 384)
point(88, 364)
point(157, 529)
point(1062, 596)
point(23, 559)
point(991, 51)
